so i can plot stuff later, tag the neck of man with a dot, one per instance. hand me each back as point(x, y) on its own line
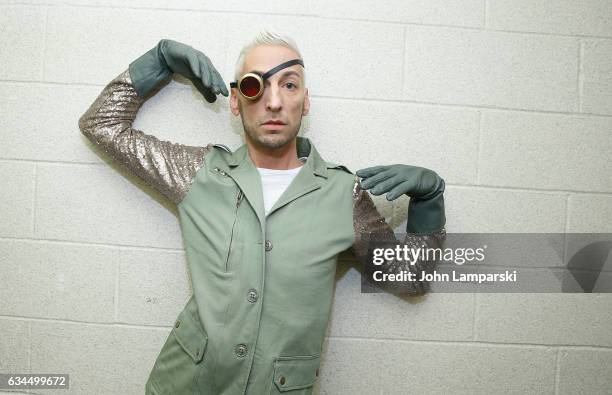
point(281, 158)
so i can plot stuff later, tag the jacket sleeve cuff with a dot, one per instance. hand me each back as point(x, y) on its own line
point(147, 72)
point(426, 216)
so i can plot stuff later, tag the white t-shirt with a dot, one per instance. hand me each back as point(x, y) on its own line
point(274, 182)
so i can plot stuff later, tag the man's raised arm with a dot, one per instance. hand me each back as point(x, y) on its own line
point(168, 167)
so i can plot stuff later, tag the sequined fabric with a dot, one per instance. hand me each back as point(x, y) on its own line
point(168, 167)
point(370, 225)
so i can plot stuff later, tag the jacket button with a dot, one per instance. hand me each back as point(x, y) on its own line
point(177, 324)
point(252, 297)
point(240, 350)
point(268, 245)
point(282, 380)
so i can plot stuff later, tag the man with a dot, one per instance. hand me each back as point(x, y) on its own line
point(263, 226)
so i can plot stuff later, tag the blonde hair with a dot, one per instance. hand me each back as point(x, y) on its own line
point(265, 37)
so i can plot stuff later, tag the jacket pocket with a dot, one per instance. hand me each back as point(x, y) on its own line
point(190, 335)
point(180, 362)
point(295, 374)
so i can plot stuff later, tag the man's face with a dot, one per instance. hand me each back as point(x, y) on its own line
point(284, 99)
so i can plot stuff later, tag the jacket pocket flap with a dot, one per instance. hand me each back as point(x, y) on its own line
point(295, 372)
point(190, 335)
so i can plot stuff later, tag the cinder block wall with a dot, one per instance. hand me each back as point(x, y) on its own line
point(509, 100)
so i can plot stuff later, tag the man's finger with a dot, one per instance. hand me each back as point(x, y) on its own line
point(224, 90)
point(400, 190)
point(375, 179)
point(220, 87)
point(210, 96)
point(385, 185)
point(370, 171)
point(220, 83)
point(206, 92)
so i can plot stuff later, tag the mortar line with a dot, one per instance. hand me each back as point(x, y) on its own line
point(580, 75)
point(486, 14)
point(551, 191)
point(93, 244)
point(475, 185)
point(473, 342)
point(404, 55)
point(566, 229)
point(354, 99)
point(348, 338)
point(34, 192)
point(479, 147)
point(557, 370)
point(44, 46)
point(314, 16)
point(475, 318)
point(29, 346)
point(116, 293)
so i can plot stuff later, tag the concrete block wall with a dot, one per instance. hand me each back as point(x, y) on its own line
point(509, 100)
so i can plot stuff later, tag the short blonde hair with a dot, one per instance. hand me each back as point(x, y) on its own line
point(265, 37)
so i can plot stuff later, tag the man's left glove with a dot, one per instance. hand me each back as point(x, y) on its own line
point(424, 186)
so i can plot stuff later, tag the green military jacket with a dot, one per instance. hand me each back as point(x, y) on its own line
point(262, 284)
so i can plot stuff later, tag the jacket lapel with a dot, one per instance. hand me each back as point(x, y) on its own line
point(308, 178)
point(244, 173)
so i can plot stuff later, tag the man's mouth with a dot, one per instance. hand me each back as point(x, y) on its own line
point(274, 125)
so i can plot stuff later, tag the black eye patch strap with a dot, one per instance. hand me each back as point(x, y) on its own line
point(282, 66)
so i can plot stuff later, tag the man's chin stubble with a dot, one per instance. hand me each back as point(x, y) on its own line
point(270, 143)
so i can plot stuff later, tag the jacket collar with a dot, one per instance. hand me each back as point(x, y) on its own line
point(304, 148)
point(246, 175)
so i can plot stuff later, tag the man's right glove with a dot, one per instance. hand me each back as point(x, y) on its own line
point(168, 57)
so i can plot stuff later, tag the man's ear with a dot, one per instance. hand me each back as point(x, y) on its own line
point(306, 107)
point(234, 102)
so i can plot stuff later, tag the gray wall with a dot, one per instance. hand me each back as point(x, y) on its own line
point(509, 100)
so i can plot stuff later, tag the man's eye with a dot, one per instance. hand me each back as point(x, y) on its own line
point(290, 85)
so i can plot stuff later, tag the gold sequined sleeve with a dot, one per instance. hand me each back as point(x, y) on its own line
point(369, 224)
point(168, 167)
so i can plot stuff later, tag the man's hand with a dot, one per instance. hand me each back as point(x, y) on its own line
point(168, 57)
point(194, 65)
point(424, 186)
point(398, 180)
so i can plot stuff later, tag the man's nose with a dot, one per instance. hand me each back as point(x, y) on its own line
point(273, 98)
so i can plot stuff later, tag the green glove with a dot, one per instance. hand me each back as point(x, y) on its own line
point(424, 186)
point(168, 57)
